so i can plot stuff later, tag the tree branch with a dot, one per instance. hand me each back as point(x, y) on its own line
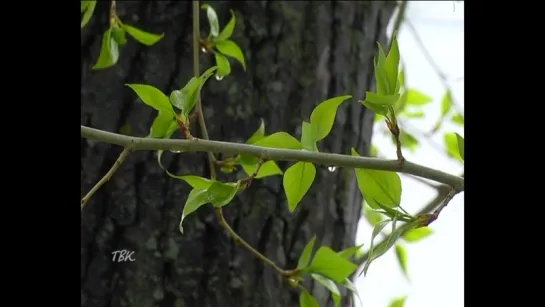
point(126, 151)
point(267, 153)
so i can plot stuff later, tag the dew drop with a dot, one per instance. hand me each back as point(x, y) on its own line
point(219, 78)
point(332, 168)
point(203, 50)
point(175, 151)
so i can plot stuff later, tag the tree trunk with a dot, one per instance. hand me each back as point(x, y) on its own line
point(298, 54)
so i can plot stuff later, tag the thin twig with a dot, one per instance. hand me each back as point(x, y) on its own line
point(211, 159)
point(442, 77)
point(118, 162)
point(276, 154)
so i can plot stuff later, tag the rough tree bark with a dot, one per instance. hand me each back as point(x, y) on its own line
point(298, 54)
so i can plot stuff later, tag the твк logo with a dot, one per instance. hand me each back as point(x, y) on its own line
point(123, 255)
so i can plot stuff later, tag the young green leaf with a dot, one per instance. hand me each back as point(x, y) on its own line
point(89, 7)
point(451, 145)
point(398, 302)
point(221, 194)
point(416, 97)
point(323, 116)
point(230, 48)
point(297, 180)
point(196, 198)
point(382, 100)
point(457, 119)
point(350, 251)
point(401, 77)
point(408, 140)
point(376, 231)
point(152, 97)
point(196, 182)
point(258, 134)
point(446, 103)
point(307, 139)
point(350, 286)
point(84, 4)
point(460, 145)
point(162, 124)
point(119, 35)
point(391, 65)
point(384, 246)
point(187, 97)
point(378, 186)
point(228, 29)
point(378, 109)
point(224, 68)
point(372, 216)
point(417, 234)
point(279, 140)
point(401, 254)
point(307, 300)
point(304, 258)
point(328, 263)
point(269, 168)
point(109, 51)
point(212, 19)
point(143, 37)
point(329, 285)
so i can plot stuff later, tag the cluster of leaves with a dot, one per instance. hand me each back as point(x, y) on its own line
point(115, 35)
point(219, 43)
point(381, 189)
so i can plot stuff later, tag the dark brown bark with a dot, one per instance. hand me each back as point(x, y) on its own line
point(298, 54)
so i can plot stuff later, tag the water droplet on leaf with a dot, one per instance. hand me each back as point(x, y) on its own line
point(203, 50)
point(332, 168)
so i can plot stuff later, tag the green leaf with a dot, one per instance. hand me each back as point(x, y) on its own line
point(84, 4)
point(331, 286)
point(416, 97)
point(221, 194)
point(376, 231)
point(89, 7)
point(382, 100)
point(415, 114)
point(384, 246)
point(323, 116)
point(258, 134)
point(401, 78)
point(279, 140)
point(109, 51)
point(196, 198)
point(143, 37)
point(152, 97)
point(460, 145)
point(297, 180)
point(269, 168)
point(187, 97)
point(457, 119)
point(378, 109)
point(398, 302)
point(350, 286)
point(228, 29)
point(328, 263)
point(119, 35)
point(350, 251)
point(446, 103)
point(372, 216)
point(212, 19)
point(451, 145)
point(177, 99)
point(401, 254)
point(304, 258)
point(417, 234)
point(307, 139)
point(196, 182)
point(230, 48)
point(378, 186)
point(162, 124)
point(391, 65)
point(408, 140)
point(224, 68)
point(307, 300)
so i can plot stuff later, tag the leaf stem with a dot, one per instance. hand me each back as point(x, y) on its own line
point(109, 174)
point(277, 154)
point(113, 13)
